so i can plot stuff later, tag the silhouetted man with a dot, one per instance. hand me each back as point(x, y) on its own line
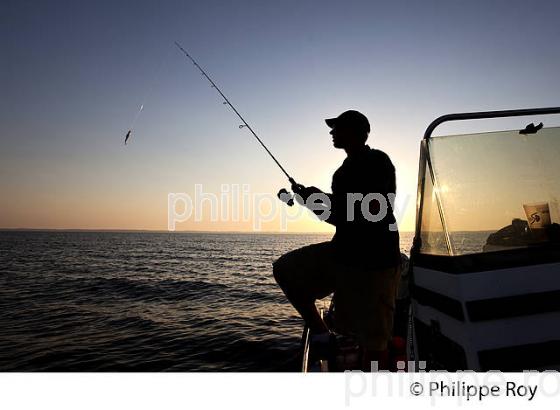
point(361, 264)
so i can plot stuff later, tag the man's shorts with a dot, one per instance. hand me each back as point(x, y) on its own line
point(365, 297)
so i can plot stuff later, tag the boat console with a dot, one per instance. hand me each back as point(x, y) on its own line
point(485, 264)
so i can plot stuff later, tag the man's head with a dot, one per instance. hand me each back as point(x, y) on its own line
point(350, 129)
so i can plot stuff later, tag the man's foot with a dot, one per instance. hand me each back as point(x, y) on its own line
point(322, 346)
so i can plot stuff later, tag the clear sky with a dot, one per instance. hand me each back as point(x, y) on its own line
point(74, 73)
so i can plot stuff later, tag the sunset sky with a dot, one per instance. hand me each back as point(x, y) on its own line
point(74, 74)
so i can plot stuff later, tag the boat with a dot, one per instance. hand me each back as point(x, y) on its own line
point(482, 288)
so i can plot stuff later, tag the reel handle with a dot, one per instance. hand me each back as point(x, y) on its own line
point(286, 197)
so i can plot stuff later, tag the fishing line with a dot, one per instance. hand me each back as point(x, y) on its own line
point(147, 95)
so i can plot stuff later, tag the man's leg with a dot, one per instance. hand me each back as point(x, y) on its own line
point(365, 307)
point(305, 275)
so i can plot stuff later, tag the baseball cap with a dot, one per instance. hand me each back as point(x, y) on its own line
point(352, 118)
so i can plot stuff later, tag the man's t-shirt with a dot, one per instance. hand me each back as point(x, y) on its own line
point(362, 241)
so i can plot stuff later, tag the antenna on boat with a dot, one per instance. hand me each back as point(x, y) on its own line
point(245, 124)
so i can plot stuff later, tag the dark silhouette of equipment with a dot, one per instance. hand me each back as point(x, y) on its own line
point(531, 129)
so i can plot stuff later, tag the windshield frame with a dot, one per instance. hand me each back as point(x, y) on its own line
point(425, 160)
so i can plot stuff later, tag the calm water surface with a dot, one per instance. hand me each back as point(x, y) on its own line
point(103, 301)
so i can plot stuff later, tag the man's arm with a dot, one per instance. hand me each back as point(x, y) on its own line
point(319, 204)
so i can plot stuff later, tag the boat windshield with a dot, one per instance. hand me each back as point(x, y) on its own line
point(491, 191)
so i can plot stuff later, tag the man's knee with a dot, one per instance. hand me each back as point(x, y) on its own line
point(280, 270)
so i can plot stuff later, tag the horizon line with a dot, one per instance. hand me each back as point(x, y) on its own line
point(162, 231)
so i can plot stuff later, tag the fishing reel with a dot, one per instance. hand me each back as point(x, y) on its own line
point(286, 197)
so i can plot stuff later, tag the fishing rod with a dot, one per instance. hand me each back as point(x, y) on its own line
point(245, 124)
